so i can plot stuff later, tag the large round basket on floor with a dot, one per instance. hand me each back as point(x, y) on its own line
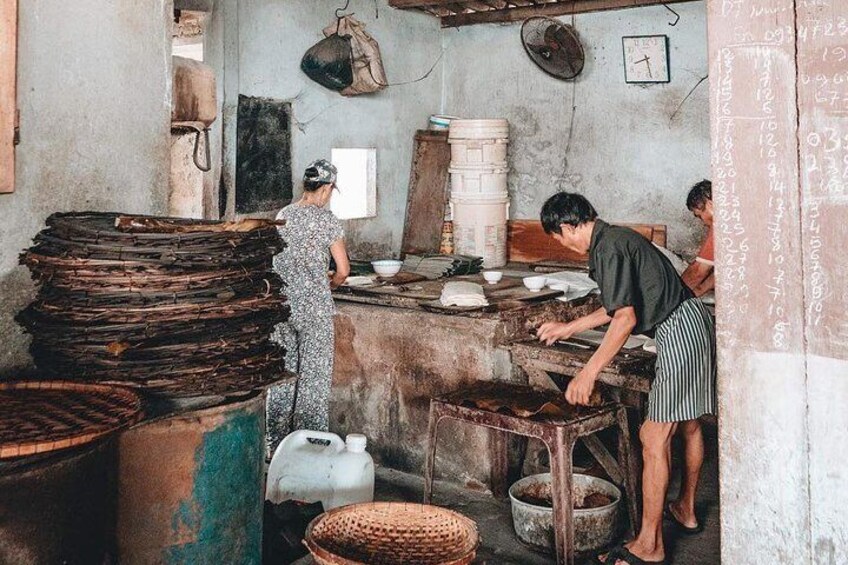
point(392, 533)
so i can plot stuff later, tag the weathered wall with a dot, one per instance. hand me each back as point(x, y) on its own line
point(94, 93)
point(627, 154)
point(390, 362)
point(780, 144)
point(262, 43)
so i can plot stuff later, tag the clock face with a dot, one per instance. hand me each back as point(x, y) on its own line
point(646, 58)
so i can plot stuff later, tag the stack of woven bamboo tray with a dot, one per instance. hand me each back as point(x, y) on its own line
point(174, 306)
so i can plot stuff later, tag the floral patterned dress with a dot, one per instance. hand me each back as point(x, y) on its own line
point(308, 335)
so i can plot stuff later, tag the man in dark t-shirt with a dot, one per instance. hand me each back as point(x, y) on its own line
point(642, 293)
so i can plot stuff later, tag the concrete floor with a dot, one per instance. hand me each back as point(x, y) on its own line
point(501, 547)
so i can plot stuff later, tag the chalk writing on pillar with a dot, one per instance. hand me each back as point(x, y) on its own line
point(754, 151)
point(823, 135)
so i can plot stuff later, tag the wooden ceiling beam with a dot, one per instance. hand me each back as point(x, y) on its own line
point(550, 9)
point(411, 4)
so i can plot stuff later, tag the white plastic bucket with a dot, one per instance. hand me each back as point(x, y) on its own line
point(480, 227)
point(480, 180)
point(473, 152)
point(479, 129)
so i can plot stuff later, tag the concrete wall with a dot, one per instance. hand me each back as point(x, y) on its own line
point(627, 154)
point(779, 148)
point(94, 93)
point(258, 45)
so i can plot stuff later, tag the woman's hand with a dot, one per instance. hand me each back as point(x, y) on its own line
point(551, 332)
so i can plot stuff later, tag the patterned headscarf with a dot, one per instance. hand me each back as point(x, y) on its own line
point(321, 171)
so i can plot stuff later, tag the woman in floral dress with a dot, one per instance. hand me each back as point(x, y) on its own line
point(312, 233)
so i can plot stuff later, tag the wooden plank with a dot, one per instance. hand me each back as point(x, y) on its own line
point(528, 242)
point(553, 9)
point(427, 197)
point(8, 98)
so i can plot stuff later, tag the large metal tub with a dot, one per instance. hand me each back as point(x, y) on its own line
point(594, 528)
point(191, 487)
point(59, 508)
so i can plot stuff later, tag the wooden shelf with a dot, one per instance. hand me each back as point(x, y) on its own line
point(455, 13)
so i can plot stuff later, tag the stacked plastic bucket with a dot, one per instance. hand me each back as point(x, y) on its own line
point(479, 199)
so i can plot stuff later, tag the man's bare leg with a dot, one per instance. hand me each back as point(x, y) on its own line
point(693, 441)
point(656, 454)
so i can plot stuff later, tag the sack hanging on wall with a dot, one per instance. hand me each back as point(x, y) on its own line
point(347, 60)
point(368, 72)
point(330, 62)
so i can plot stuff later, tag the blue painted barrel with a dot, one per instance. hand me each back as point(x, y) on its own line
point(190, 487)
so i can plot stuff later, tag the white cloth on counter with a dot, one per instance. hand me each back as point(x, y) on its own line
point(575, 284)
point(466, 294)
point(359, 281)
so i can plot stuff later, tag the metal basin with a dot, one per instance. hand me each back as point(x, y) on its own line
point(594, 528)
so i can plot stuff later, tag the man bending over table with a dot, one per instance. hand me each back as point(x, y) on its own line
point(641, 293)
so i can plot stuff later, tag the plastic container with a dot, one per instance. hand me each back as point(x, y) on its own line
point(477, 152)
point(479, 181)
point(336, 474)
point(480, 228)
point(479, 129)
point(440, 122)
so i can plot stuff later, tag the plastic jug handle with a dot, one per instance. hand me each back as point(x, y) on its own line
point(302, 436)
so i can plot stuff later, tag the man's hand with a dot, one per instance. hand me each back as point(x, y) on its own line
point(551, 332)
point(580, 388)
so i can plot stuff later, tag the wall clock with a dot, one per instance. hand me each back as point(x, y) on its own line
point(646, 58)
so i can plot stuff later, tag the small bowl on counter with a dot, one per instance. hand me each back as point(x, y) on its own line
point(387, 267)
point(492, 277)
point(535, 284)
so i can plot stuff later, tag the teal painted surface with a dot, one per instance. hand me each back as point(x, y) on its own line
point(225, 509)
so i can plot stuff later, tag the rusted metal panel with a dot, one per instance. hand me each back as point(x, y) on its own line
point(190, 487)
point(59, 508)
point(427, 196)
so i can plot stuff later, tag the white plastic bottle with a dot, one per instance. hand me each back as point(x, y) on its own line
point(336, 474)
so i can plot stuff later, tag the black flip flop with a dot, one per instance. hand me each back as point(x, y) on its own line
point(669, 515)
point(621, 553)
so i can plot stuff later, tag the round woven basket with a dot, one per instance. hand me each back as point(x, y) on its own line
point(392, 533)
point(39, 417)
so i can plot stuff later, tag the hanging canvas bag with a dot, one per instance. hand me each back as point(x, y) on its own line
point(368, 72)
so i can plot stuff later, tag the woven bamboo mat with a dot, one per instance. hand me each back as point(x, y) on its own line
point(173, 306)
point(39, 417)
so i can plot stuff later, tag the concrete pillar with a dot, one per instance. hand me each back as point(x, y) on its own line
point(779, 88)
point(822, 31)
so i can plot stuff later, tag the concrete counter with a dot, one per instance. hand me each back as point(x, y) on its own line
point(390, 361)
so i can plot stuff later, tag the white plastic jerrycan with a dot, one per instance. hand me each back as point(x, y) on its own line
point(335, 475)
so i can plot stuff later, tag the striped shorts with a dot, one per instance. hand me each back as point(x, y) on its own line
point(685, 384)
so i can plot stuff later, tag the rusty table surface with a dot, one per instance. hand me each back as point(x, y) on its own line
point(508, 294)
point(631, 369)
point(516, 311)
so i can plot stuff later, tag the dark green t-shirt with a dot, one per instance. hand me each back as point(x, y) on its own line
point(630, 271)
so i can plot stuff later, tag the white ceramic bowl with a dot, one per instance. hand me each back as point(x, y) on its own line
point(387, 267)
point(492, 277)
point(535, 284)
